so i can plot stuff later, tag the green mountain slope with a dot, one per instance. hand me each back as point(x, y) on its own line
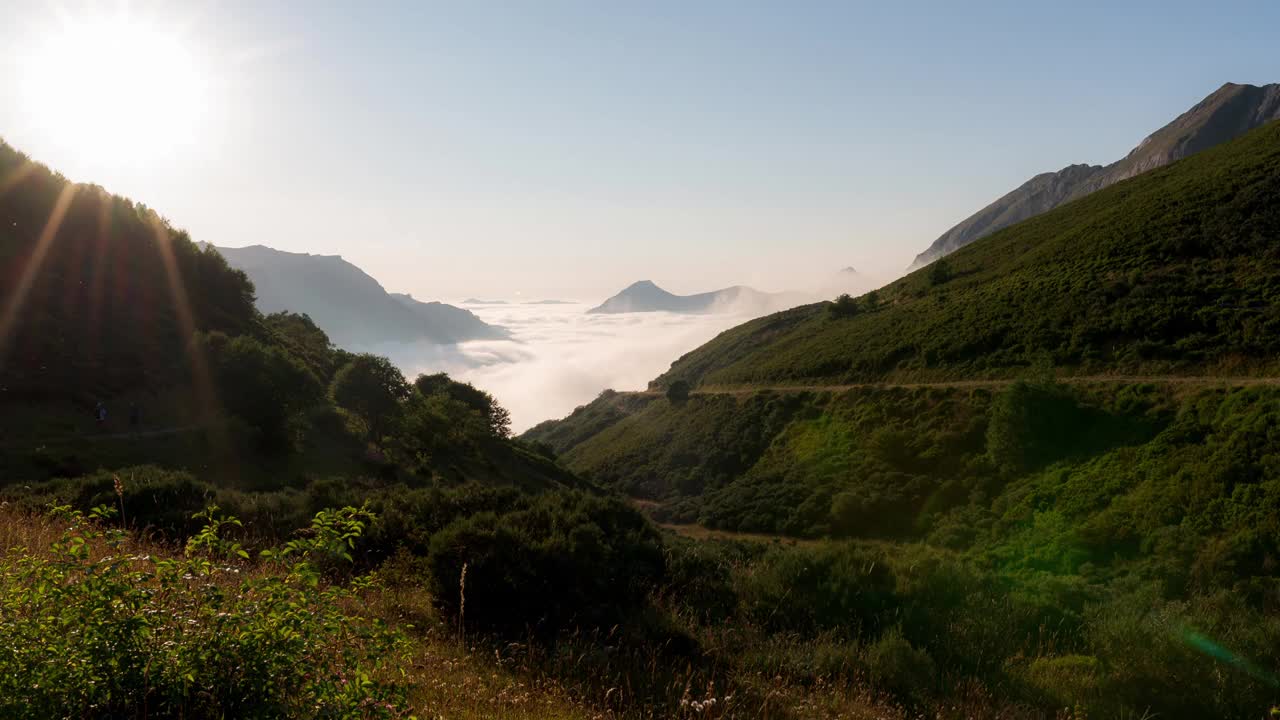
point(1171, 274)
point(1227, 113)
point(1174, 271)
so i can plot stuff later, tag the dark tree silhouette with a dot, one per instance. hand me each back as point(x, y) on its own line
point(371, 387)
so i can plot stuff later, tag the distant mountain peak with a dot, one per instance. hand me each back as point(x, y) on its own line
point(352, 307)
point(646, 296)
point(1225, 114)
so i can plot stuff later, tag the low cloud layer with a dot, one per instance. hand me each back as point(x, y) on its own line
point(560, 357)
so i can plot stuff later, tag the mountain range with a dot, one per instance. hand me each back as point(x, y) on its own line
point(1227, 113)
point(645, 296)
point(349, 305)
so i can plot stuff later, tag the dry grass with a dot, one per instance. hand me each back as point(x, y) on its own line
point(448, 681)
point(591, 677)
point(698, 532)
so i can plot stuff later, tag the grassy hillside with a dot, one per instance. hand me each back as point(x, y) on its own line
point(1035, 531)
point(1175, 271)
point(1103, 516)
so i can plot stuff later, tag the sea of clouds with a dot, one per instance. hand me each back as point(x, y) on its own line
point(560, 357)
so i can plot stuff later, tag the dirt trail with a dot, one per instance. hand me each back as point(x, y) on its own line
point(98, 437)
point(1204, 380)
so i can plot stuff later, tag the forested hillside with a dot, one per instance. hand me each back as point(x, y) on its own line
point(1173, 272)
point(123, 342)
point(99, 294)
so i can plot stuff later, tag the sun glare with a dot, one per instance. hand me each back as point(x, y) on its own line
point(114, 90)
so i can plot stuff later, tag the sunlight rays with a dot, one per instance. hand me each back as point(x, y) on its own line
point(186, 318)
point(16, 176)
point(209, 407)
point(18, 297)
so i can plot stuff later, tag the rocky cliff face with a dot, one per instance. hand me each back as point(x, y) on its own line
point(1228, 113)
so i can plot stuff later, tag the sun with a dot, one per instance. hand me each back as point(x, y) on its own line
point(114, 89)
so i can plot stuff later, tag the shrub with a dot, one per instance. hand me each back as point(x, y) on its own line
point(262, 384)
point(940, 272)
point(1034, 423)
point(496, 419)
point(810, 589)
point(371, 387)
point(1066, 680)
point(844, 306)
point(93, 629)
point(567, 560)
point(700, 580)
point(1210, 656)
point(896, 665)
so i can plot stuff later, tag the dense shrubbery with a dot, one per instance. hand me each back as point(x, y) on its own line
point(265, 386)
point(926, 624)
point(1117, 543)
point(563, 560)
point(94, 629)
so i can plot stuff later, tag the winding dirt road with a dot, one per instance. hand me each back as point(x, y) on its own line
point(1191, 380)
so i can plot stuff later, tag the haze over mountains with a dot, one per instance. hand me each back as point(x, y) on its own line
point(349, 305)
point(645, 296)
point(1227, 113)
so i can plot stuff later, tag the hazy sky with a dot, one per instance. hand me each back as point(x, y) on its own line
point(568, 148)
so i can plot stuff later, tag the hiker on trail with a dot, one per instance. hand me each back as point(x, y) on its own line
point(101, 414)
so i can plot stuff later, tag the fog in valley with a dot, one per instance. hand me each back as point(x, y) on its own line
point(559, 356)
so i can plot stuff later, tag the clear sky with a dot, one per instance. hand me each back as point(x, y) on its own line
point(565, 149)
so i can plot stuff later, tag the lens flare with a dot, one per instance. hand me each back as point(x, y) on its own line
point(114, 89)
point(1218, 652)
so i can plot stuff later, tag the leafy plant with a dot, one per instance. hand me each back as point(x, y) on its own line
point(93, 627)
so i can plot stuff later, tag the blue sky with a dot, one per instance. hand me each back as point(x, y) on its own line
point(568, 148)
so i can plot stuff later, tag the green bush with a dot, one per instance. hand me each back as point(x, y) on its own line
point(92, 629)
point(567, 559)
point(834, 586)
point(678, 392)
point(262, 384)
point(1208, 656)
point(893, 663)
point(700, 580)
point(1066, 681)
point(844, 306)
